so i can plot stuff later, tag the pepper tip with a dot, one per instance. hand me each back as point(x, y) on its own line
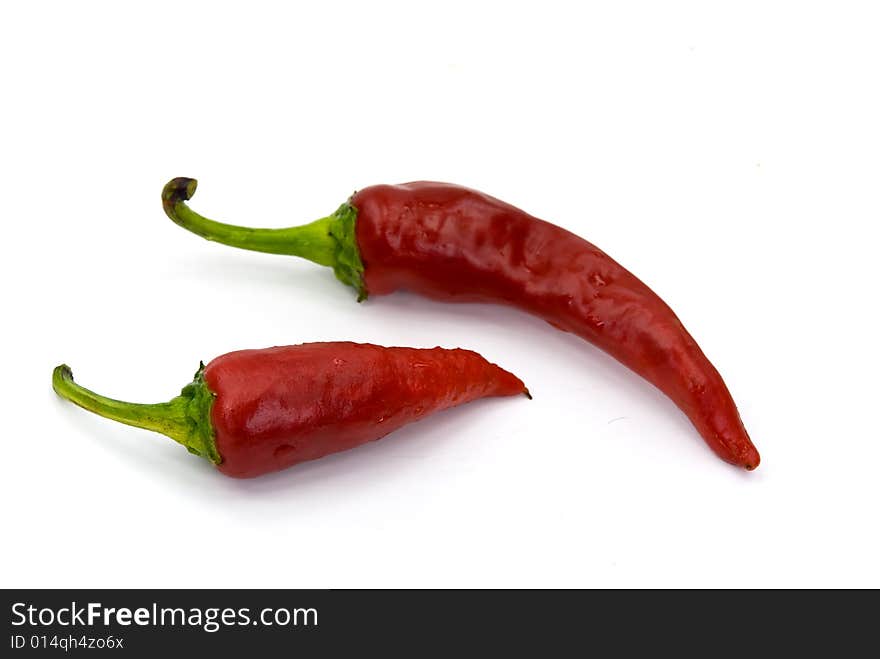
point(751, 459)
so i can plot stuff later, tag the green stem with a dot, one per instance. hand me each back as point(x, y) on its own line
point(329, 241)
point(185, 419)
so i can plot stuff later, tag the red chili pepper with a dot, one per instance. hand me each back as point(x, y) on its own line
point(456, 244)
point(256, 411)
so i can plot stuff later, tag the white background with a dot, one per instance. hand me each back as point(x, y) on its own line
point(729, 156)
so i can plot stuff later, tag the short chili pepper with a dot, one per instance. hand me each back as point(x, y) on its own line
point(455, 244)
point(252, 412)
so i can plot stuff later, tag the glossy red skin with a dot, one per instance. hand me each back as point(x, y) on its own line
point(455, 244)
point(277, 407)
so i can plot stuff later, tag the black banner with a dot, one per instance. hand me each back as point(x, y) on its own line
point(288, 621)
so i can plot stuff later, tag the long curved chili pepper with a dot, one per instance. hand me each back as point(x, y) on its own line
point(456, 244)
point(256, 411)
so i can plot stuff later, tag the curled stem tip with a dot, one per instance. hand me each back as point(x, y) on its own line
point(62, 373)
point(178, 189)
